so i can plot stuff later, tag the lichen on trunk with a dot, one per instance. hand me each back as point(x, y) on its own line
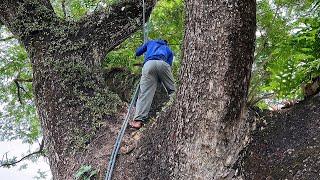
point(198, 137)
point(74, 103)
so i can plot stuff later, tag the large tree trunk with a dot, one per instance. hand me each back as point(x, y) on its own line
point(198, 137)
point(74, 104)
point(201, 135)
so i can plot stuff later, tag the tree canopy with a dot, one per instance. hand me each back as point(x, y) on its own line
point(287, 48)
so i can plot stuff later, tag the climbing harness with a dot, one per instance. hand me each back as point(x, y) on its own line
point(116, 147)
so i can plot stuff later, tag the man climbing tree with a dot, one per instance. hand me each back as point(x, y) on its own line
point(73, 102)
point(156, 69)
point(206, 123)
point(201, 135)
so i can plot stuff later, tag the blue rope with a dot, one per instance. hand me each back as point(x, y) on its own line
point(120, 136)
point(125, 123)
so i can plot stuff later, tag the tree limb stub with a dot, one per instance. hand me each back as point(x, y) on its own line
point(109, 29)
point(35, 22)
point(27, 18)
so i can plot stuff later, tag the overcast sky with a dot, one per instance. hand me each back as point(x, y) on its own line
point(17, 148)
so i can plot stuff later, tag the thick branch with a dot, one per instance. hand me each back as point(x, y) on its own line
point(27, 18)
point(109, 29)
point(40, 151)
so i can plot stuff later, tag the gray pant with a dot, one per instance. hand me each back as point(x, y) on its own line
point(153, 72)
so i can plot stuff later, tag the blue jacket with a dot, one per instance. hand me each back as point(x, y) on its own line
point(156, 50)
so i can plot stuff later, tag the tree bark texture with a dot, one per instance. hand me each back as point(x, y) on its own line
point(202, 133)
point(211, 126)
point(198, 136)
point(285, 144)
point(74, 103)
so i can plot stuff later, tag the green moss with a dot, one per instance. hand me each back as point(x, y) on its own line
point(86, 98)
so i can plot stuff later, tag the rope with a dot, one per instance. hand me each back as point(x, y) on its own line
point(120, 136)
point(145, 31)
point(125, 123)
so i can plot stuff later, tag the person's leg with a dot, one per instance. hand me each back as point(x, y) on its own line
point(148, 86)
point(166, 76)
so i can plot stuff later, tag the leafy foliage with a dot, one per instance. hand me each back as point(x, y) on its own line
point(166, 22)
point(74, 10)
point(287, 49)
point(18, 119)
point(85, 173)
point(40, 175)
point(287, 54)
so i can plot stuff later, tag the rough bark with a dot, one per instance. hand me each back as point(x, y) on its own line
point(74, 104)
point(201, 135)
point(123, 82)
point(206, 124)
point(285, 144)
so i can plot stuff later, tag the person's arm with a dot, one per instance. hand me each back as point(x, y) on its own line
point(141, 49)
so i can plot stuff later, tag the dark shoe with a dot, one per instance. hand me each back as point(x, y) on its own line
point(136, 124)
